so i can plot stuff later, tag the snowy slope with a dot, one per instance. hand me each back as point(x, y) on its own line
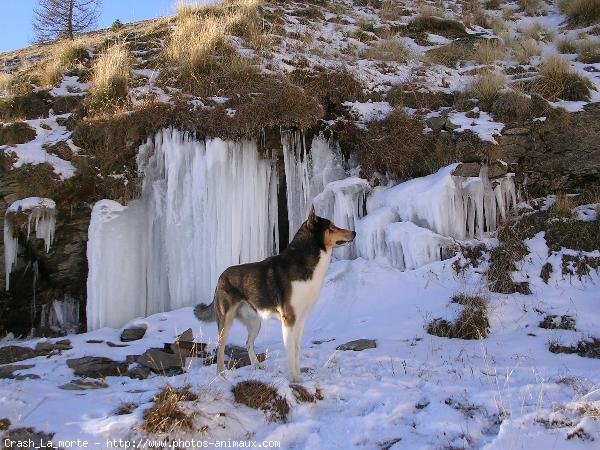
point(429, 392)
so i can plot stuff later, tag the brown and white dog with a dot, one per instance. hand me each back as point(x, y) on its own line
point(285, 286)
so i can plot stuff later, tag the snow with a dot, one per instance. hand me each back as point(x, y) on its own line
point(205, 205)
point(427, 391)
point(41, 219)
point(484, 126)
point(369, 111)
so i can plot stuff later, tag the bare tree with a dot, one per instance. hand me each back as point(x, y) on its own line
point(60, 19)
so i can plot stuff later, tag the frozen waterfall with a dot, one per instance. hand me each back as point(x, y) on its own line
point(41, 219)
point(205, 205)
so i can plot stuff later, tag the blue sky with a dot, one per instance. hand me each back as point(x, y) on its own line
point(15, 18)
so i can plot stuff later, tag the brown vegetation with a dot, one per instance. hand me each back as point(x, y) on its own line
point(166, 414)
point(557, 81)
point(16, 133)
point(472, 323)
point(581, 12)
point(259, 395)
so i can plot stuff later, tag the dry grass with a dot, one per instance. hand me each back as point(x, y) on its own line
point(472, 323)
point(487, 87)
point(589, 51)
point(451, 55)
point(64, 55)
point(538, 31)
point(6, 83)
point(566, 46)
point(563, 207)
point(259, 395)
point(512, 105)
point(16, 133)
point(111, 74)
point(581, 12)
point(444, 27)
point(166, 414)
point(531, 7)
point(389, 50)
point(489, 51)
point(508, 13)
point(546, 272)
point(524, 49)
point(302, 395)
point(556, 81)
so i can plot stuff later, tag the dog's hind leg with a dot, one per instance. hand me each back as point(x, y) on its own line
point(251, 320)
point(224, 326)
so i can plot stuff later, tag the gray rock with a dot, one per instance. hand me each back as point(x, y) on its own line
point(83, 385)
point(47, 348)
point(187, 336)
point(133, 334)
point(358, 345)
point(97, 367)
point(112, 344)
point(451, 125)
point(138, 372)
point(161, 362)
point(13, 353)
point(8, 370)
point(20, 437)
point(467, 170)
point(436, 123)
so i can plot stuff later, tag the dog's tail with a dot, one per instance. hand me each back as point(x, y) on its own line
point(205, 313)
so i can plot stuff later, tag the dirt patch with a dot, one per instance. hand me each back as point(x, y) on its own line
point(259, 395)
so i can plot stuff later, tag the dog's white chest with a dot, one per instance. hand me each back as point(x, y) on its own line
point(305, 293)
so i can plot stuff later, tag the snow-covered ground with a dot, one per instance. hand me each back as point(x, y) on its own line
point(504, 392)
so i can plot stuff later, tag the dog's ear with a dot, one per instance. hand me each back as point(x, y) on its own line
point(312, 216)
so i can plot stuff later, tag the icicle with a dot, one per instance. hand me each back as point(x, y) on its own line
point(370, 233)
point(204, 206)
point(307, 174)
point(343, 201)
point(41, 219)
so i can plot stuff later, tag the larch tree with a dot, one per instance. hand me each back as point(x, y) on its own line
point(64, 19)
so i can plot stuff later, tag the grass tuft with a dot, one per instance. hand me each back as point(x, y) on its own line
point(259, 395)
point(589, 51)
point(524, 49)
point(166, 414)
point(111, 75)
point(452, 54)
point(489, 51)
point(389, 50)
point(472, 323)
point(563, 207)
point(65, 54)
point(487, 87)
point(531, 7)
point(558, 82)
point(581, 12)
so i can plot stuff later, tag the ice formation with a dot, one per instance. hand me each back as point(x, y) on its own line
point(61, 315)
point(307, 173)
point(344, 202)
point(205, 205)
point(41, 219)
point(457, 207)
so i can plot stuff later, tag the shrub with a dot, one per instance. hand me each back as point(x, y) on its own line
point(116, 25)
point(259, 395)
point(487, 87)
point(111, 74)
point(472, 322)
point(489, 51)
point(389, 50)
point(581, 12)
point(556, 81)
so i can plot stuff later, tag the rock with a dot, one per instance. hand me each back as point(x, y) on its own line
point(4, 424)
point(436, 123)
point(133, 334)
point(449, 125)
point(322, 341)
point(470, 169)
point(83, 385)
point(187, 336)
point(47, 348)
point(238, 356)
point(161, 362)
point(112, 344)
point(97, 367)
point(138, 372)
point(22, 437)
point(358, 345)
point(95, 341)
point(13, 353)
point(7, 370)
point(131, 358)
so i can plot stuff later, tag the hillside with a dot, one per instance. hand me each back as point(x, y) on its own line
point(457, 138)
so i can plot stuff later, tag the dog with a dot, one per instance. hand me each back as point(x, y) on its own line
point(285, 286)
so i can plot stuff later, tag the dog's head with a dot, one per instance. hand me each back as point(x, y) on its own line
point(330, 235)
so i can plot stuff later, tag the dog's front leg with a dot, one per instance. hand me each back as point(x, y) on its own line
point(290, 335)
